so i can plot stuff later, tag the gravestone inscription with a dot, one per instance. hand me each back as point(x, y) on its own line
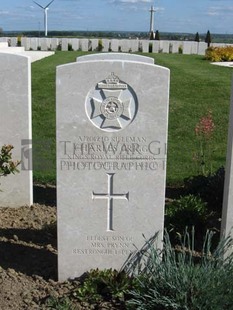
point(111, 161)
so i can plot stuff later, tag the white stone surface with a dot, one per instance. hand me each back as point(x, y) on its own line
point(84, 45)
point(45, 44)
point(134, 45)
point(145, 46)
point(114, 45)
point(15, 127)
point(202, 46)
point(34, 44)
point(13, 42)
point(164, 46)
point(125, 45)
point(187, 47)
point(25, 42)
point(54, 43)
point(3, 44)
point(111, 155)
point(64, 44)
point(94, 44)
point(75, 44)
point(155, 46)
point(175, 46)
point(105, 43)
point(115, 56)
point(227, 212)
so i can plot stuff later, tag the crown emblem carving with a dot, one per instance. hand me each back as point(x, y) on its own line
point(112, 82)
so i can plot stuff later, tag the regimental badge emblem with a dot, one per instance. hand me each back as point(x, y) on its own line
point(112, 104)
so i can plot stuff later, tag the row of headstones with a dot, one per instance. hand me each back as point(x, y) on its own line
point(112, 119)
point(113, 45)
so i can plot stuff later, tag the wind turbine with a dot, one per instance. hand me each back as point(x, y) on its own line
point(45, 15)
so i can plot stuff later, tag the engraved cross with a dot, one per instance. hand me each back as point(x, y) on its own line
point(110, 196)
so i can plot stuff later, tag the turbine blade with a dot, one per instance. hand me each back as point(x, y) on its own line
point(49, 4)
point(38, 4)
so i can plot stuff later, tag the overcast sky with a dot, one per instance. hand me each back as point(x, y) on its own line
point(119, 15)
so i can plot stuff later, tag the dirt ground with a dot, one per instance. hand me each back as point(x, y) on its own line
point(28, 255)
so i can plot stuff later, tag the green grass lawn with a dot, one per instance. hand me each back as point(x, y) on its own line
point(196, 87)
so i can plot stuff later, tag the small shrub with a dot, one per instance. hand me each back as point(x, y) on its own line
point(150, 47)
point(59, 46)
point(182, 279)
point(19, 41)
point(39, 48)
point(7, 165)
point(100, 45)
point(70, 48)
point(210, 188)
point(104, 285)
point(58, 304)
point(180, 49)
point(218, 54)
point(184, 213)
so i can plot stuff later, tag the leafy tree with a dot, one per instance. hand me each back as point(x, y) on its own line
point(197, 38)
point(208, 38)
point(157, 36)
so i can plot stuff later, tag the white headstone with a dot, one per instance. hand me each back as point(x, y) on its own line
point(45, 44)
point(54, 43)
point(34, 44)
point(115, 56)
point(84, 45)
point(15, 127)
point(164, 46)
point(25, 42)
point(202, 46)
point(111, 157)
point(105, 43)
point(114, 45)
point(94, 44)
point(145, 46)
point(125, 45)
point(190, 47)
point(134, 45)
point(64, 44)
point(175, 46)
point(227, 212)
point(155, 46)
point(14, 41)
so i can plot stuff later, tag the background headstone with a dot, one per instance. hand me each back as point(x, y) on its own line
point(75, 44)
point(155, 46)
point(34, 44)
point(15, 127)
point(111, 158)
point(145, 46)
point(105, 43)
point(114, 45)
point(84, 45)
point(202, 46)
point(54, 43)
point(94, 44)
point(227, 212)
point(115, 56)
point(64, 44)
